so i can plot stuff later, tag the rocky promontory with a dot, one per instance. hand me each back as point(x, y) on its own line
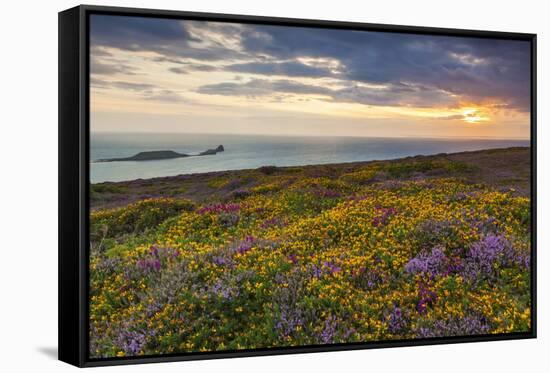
point(162, 154)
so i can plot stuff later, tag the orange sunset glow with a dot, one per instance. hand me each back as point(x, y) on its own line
point(203, 77)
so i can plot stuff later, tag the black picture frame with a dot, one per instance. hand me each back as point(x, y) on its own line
point(74, 182)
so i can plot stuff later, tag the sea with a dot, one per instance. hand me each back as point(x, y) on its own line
point(252, 151)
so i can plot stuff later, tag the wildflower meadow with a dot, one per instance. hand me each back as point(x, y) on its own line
point(313, 255)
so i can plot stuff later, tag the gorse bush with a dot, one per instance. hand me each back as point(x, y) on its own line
point(407, 168)
point(361, 177)
point(136, 217)
point(268, 170)
point(108, 188)
point(97, 191)
point(324, 260)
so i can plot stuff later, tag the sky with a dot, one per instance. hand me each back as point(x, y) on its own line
point(168, 75)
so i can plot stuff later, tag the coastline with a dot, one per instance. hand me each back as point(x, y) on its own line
point(248, 152)
point(503, 168)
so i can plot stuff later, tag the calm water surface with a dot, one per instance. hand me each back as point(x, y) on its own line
point(251, 151)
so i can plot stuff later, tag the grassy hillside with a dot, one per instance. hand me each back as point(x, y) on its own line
point(413, 248)
point(501, 168)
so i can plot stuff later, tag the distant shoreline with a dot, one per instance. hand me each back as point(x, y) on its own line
point(246, 152)
point(502, 168)
point(179, 176)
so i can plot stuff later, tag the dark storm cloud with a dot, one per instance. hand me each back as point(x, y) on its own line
point(430, 68)
point(476, 69)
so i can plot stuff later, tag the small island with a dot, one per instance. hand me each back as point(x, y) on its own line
point(162, 154)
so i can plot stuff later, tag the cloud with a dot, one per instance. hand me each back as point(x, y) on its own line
point(470, 116)
point(169, 38)
point(165, 95)
point(98, 67)
point(474, 69)
point(199, 67)
point(288, 68)
point(98, 83)
point(136, 33)
point(178, 70)
point(99, 51)
point(421, 70)
point(136, 87)
point(189, 65)
point(145, 91)
point(388, 95)
point(395, 94)
point(192, 67)
point(452, 117)
point(261, 87)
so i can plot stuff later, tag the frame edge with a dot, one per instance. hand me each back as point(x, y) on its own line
point(306, 22)
point(69, 212)
point(73, 139)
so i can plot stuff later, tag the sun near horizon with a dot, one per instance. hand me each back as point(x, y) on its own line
point(160, 75)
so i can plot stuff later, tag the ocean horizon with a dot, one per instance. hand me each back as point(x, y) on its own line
point(252, 151)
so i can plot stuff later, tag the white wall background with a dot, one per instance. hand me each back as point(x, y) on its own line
point(28, 184)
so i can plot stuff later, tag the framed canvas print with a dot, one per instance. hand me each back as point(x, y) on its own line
point(234, 186)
